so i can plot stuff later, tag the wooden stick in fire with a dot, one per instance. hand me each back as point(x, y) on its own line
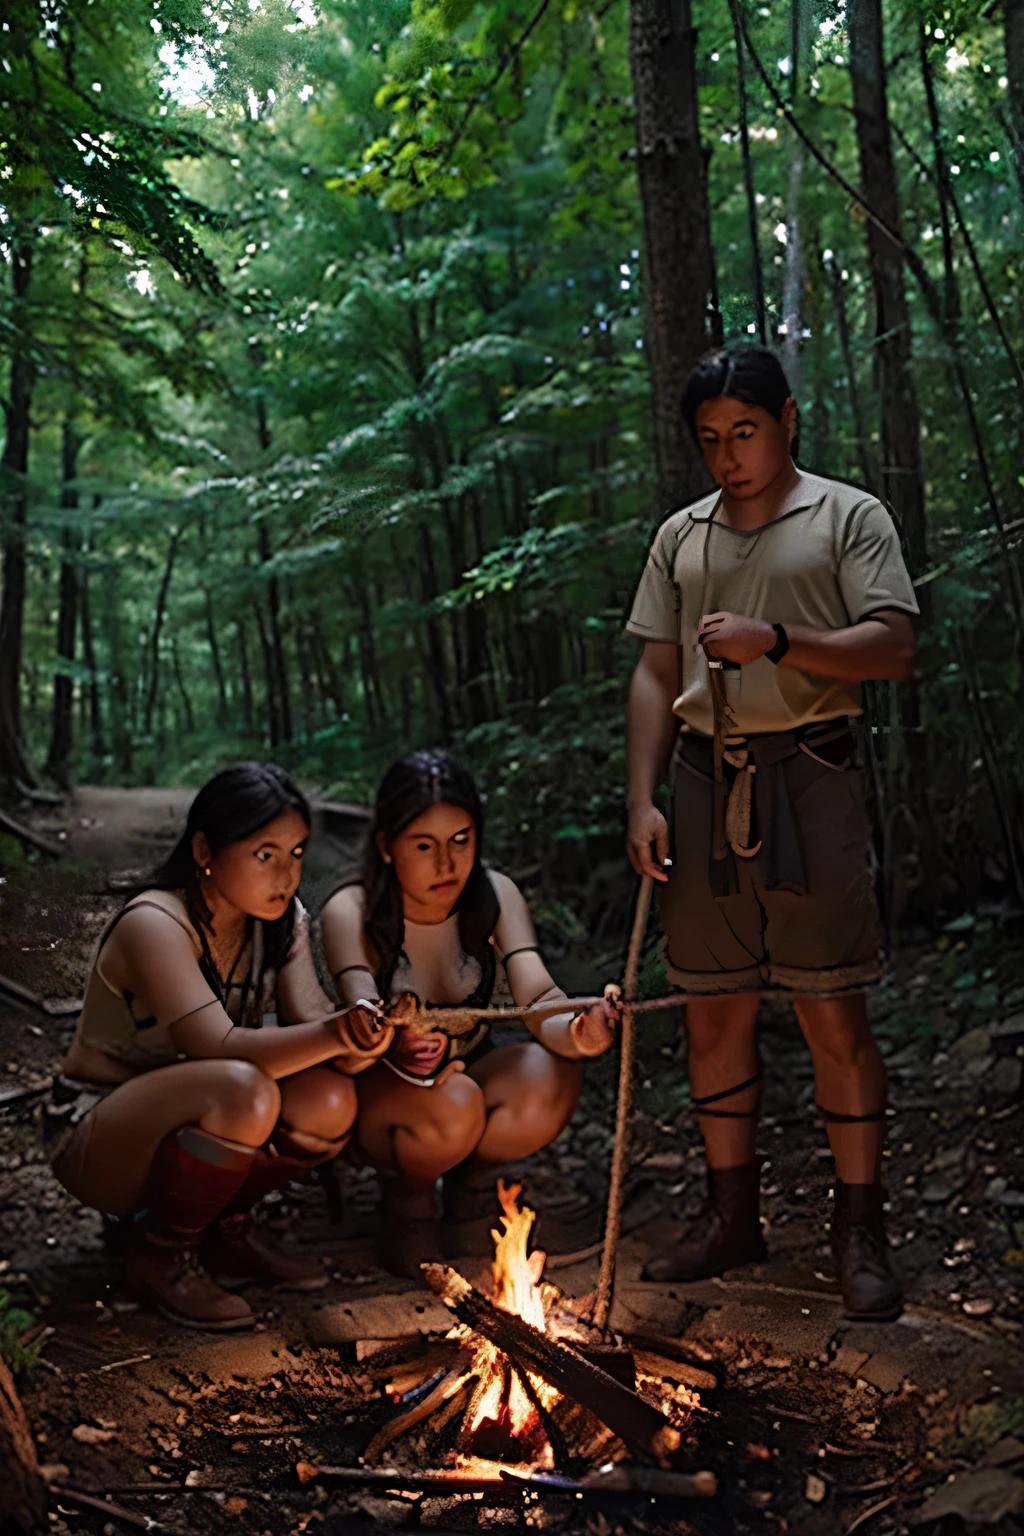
point(624, 1113)
point(636, 1421)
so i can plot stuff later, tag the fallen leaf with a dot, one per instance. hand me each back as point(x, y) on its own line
point(978, 1308)
point(53, 1472)
point(235, 1505)
point(306, 1472)
point(88, 1434)
point(759, 1453)
point(814, 1489)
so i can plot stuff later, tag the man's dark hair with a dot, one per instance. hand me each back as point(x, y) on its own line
point(751, 374)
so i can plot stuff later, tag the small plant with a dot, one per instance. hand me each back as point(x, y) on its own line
point(15, 1321)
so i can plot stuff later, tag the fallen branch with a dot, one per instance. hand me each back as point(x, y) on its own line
point(108, 1507)
point(627, 1477)
point(869, 1514)
point(626, 1414)
point(27, 837)
point(22, 1490)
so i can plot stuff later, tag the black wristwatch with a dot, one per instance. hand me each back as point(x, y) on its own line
point(781, 645)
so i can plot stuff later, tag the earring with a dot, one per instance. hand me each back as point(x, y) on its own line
point(387, 858)
point(207, 871)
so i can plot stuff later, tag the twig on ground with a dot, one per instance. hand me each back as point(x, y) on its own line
point(108, 1507)
point(115, 1365)
point(869, 1514)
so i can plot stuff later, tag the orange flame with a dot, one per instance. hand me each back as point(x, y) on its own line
point(516, 1289)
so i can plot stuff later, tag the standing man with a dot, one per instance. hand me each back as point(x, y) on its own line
point(763, 607)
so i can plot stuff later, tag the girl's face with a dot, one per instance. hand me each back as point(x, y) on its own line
point(433, 856)
point(744, 447)
point(259, 875)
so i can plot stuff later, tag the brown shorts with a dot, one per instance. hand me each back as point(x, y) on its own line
point(825, 941)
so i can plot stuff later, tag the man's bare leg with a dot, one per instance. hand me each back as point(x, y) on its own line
point(725, 1094)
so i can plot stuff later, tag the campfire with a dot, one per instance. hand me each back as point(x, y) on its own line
point(524, 1385)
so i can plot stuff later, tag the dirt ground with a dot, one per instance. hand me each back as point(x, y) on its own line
point(815, 1425)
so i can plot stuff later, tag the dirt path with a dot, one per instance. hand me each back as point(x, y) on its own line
point(815, 1421)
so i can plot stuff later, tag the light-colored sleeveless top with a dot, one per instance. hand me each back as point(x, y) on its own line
point(109, 1021)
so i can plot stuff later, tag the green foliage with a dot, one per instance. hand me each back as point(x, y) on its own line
point(345, 306)
point(16, 1318)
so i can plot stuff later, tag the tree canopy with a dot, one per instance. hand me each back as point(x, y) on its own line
point(329, 332)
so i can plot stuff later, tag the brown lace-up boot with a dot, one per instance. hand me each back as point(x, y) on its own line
point(870, 1286)
point(192, 1178)
point(237, 1249)
point(731, 1236)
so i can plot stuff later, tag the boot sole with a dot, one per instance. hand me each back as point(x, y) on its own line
point(229, 1325)
point(889, 1316)
point(239, 1282)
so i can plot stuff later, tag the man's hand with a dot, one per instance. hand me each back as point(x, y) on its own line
point(646, 826)
point(731, 637)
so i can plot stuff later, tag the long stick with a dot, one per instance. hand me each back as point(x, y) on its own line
point(624, 1112)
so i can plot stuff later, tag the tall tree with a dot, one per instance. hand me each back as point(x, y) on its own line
point(67, 610)
point(902, 473)
point(1013, 32)
point(17, 406)
point(679, 269)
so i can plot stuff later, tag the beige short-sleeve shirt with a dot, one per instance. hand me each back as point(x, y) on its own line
point(830, 558)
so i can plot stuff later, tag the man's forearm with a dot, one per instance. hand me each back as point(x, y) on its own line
point(650, 732)
point(870, 651)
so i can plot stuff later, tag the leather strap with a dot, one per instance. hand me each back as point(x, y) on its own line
point(699, 1106)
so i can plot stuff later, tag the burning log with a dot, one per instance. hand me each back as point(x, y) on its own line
point(449, 1386)
point(625, 1478)
point(635, 1421)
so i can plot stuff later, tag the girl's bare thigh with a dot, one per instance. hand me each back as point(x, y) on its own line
point(530, 1094)
point(444, 1121)
point(107, 1167)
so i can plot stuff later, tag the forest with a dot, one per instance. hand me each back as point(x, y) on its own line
point(343, 348)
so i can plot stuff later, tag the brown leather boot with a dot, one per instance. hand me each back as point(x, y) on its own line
point(870, 1286)
point(410, 1229)
point(192, 1178)
point(167, 1274)
point(236, 1250)
point(732, 1235)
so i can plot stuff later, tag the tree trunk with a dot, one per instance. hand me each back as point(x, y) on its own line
point(902, 476)
point(190, 719)
point(122, 707)
point(865, 457)
point(154, 639)
point(248, 713)
point(22, 1490)
point(67, 613)
point(96, 738)
point(218, 667)
point(756, 269)
point(679, 276)
point(1013, 24)
point(13, 473)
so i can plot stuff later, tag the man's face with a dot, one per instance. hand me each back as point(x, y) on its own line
point(744, 447)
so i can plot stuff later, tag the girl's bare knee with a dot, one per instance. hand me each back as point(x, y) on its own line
point(248, 1099)
point(326, 1106)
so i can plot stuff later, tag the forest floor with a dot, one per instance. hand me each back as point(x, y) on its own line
point(816, 1425)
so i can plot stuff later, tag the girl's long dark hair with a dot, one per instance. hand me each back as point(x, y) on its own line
point(233, 805)
point(410, 787)
point(751, 374)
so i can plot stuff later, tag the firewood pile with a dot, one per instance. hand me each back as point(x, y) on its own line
point(524, 1388)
